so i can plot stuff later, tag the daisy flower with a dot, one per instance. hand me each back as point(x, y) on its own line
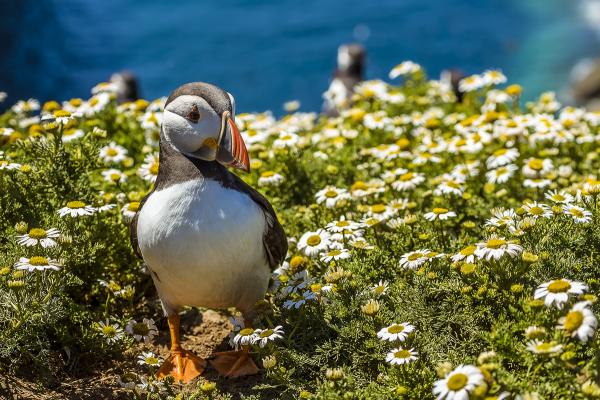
point(502, 217)
point(401, 356)
point(380, 288)
point(145, 330)
point(579, 214)
point(72, 134)
point(404, 68)
point(314, 243)
point(579, 322)
point(264, 336)
point(501, 174)
point(502, 157)
point(113, 153)
point(493, 77)
point(537, 168)
point(37, 263)
point(130, 209)
point(270, 178)
point(414, 259)
point(557, 292)
point(76, 209)
point(496, 248)
point(331, 196)
point(441, 214)
point(112, 332)
point(39, 236)
point(537, 210)
point(149, 169)
point(466, 255)
point(396, 332)
point(560, 197)
point(459, 383)
point(471, 83)
point(286, 140)
point(343, 225)
point(335, 255)
point(542, 347)
point(149, 358)
point(114, 176)
point(408, 181)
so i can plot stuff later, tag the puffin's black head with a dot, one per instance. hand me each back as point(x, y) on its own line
point(351, 59)
point(199, 122)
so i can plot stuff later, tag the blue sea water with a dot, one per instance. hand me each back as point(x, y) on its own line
point(266, 52)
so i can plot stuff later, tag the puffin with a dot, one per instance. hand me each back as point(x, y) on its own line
point(127, 86)
point(208, 238)
point(348, 74)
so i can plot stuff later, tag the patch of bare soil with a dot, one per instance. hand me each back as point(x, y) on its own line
point(203, 333)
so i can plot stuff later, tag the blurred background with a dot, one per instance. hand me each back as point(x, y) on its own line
point(266, 52)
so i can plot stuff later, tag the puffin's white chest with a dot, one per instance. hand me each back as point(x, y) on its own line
point(204, 243)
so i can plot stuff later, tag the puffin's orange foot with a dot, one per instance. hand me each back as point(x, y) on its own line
point(182, 365)
point(233, 364)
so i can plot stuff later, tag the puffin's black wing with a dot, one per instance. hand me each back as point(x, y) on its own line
point(274, 239)
point(133, 228)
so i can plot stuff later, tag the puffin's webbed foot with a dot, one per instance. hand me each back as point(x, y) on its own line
point(235, 363)
point(182, 365)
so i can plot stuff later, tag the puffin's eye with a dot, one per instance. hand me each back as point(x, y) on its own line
point(193, 115)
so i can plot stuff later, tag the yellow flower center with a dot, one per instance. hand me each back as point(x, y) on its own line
point(359, 185)
point(379, 289)
point(576, 212)
point(544, 347)
point(573, 321)
point(559, 286)
point(535, 210)
point(151, 360)
point(266, 333)
point(267, 174)
point(495, 243)
point(402, 354)
point(457, 381)
point(37, 233)
point(342, 224)
point(153, 169)
point(112, 152)
point(334, 253)
point(536, 164)
point(406, 177)
point(439, 210)
point(313, 240)
point(115, 176)
point(415, 256)
point(396, 328)
point(468, 251)
point(500, 152)
point(133, 206)
point(246, 332)
point(378, 208)
point(331, 194)
point(109, 331)
point(76, 204)
point(61, 113)
point(38, 260)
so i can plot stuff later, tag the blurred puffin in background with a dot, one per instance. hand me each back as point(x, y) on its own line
point(208, 238)
point(127, 87)
point(350, 69)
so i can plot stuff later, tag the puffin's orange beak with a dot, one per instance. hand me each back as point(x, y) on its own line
point(232, 149)
point(238, 148)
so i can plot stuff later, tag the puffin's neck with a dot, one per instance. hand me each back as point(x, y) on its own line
point(175, 167)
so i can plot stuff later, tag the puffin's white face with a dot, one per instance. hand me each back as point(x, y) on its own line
point(193, 127)
point(190, 124)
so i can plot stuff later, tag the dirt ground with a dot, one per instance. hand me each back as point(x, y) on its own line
point(203, 333)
